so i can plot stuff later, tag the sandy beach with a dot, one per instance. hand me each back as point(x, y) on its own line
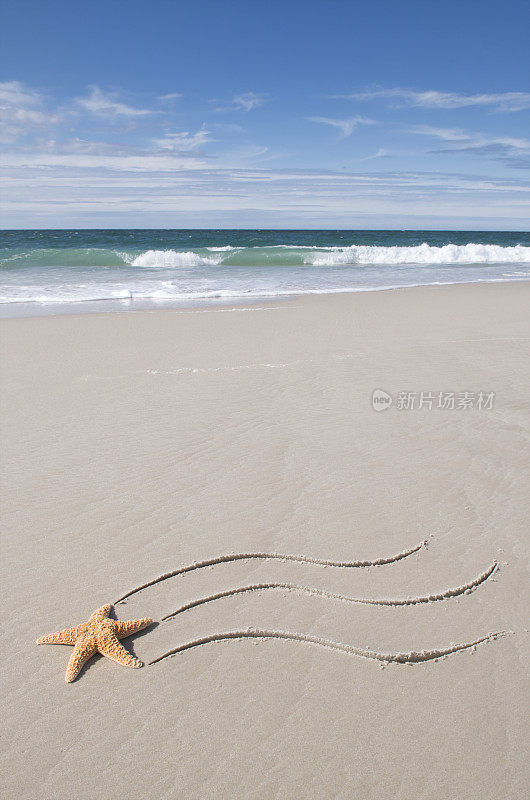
point(135, 444)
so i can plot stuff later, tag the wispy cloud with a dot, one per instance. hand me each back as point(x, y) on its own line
point(171, 96)
point(459, 135)
point(183, 140)
point(79, 156)
point(381, 153)
point(345, 126)
point(160, 175)
point(156, 191)
point(247, 101)
point(447, 134)
point(78, 146)
point(22, 109)
point(252, 152)
point(227, 127)
point(512, 151)
point(106, 105)
point(15, 93)
point(516, 157)
point(500, 101)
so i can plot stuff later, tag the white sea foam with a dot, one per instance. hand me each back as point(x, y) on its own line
point(222, 249)
point(174, 258)
point(421, 254)
point(62, 294)
point(312, 255)
point(91, 293)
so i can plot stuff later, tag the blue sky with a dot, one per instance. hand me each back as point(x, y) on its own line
point(128, 113)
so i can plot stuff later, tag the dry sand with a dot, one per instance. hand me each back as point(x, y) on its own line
point(136, 443)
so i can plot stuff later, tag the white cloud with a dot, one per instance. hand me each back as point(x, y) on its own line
point(252, 152)
point(500, 101)
point(512, 151)
point(158, 195)
point(447, 134)
point(458, 135)
point(247, 101)
point(103, 158)
point(227, 127)
point(105, 105)
point(14, 93)
point(83, 146)
point(22, 109)
point(183, 140)
point(381, 153)
point(345, 126)
point(171, 96)
point(147, 181)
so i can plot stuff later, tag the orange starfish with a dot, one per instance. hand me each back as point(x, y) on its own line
point(99, 635)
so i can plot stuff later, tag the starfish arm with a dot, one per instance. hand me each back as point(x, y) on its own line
point(68, 636)
point(83, 650)
point(101, 613)
point(123, 629)
point(109, 646)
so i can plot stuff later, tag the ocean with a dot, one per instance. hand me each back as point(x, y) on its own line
point(49, 271)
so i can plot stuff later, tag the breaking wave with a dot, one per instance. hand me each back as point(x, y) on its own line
point(173, 258)
point(153, 268)
point(276, 255)
point(290, 255)
point(422, 254)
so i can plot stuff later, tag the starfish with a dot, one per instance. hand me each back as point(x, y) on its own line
point(98, 635)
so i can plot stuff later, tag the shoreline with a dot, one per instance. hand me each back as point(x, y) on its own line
point(35, 309)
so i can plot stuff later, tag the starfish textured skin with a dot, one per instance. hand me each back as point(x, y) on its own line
point(98, 635)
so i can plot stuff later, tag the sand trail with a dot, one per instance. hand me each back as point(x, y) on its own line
point(311, 590)
point(412, 657)
point(301, 559)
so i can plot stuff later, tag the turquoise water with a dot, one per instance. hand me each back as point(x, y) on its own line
point(46, 271)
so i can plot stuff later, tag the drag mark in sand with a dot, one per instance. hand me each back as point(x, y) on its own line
point(310, 590)
point(413, 657)
point(269, 556)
